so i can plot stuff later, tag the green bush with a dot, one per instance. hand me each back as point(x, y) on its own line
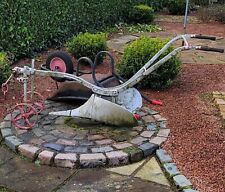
point(140, 52)
point(220, 13)
point(176, 7)
point(141, 14)
point(87, 45)
point(4, 67)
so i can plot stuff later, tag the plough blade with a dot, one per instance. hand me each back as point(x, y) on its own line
point(101, 110)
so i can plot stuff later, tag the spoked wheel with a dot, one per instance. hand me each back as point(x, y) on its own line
point(37, 101)
point(24, 116)
point(61, 62)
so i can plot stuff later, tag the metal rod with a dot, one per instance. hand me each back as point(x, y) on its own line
point(32, 81)
point(186, 16)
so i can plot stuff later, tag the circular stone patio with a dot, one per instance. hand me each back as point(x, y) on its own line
point(74, 143)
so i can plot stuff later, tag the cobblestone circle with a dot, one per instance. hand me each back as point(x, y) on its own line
point(52, 142)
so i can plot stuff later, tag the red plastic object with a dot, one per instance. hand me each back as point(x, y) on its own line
point(156, 102)
point(137, 117)
point(57, 64)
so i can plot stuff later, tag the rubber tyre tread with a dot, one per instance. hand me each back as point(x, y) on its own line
point(66, 58)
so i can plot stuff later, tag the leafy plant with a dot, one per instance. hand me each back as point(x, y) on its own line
point(142, 50)
point(87, 45)
point(141, 14)
point(176, 7)
point(140, 28)
point(4, 67)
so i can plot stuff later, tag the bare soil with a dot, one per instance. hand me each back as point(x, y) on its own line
point(197, 139)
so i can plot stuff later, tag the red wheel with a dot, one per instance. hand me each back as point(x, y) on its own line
point(60, 61)
point(24, 116)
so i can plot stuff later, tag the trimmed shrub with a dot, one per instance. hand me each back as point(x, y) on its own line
point(176, 7)
point(141, 14)
point(140, 52)
point(4, 67)
point(87, 45)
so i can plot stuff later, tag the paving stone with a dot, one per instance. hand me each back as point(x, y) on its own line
point(67, 142)
point(135, 154)
point(86, 143)
point(80, 136)
point(46, 157)
point(138, 140)
point(117, 158)
point(122, 145)
point(13, 142)
point(38, 132)
point(36, 141)
point(137, 128)
point(151, 127)
point(48, 138)
point(56, 133)
point(157, 140)
point(24, 176)
point(5, 124)
point(104, 142)
point(54, 146)
point(48, 127)
point(189, 190)
point(159, 118)
point(20, 131)
point(102, 149)
point(7, 117)
point(74, 149)
point(28, 151)
point(95, 137)
point(147, 134)
point(148, 119)
point(127, 169)
point(148, 148)
point(6, 132)
point(181, 181)
point(163, 133)
point(47, 122)
point(151, 171)
point(163, 156)
point(162, 124)
point(65, 160)
point(171, 169)
point(92, 160)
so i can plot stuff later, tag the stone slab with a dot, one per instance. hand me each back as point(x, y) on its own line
point(171, 169)
point(163, 156)
point(190, 190)
point(138, 140)
point(148, 148)
point(6, 132)
point(117, 158)
point(157, 140)
point(127, 169)
point(20, 175)
point(5, 155)
point(75, 149)
point(181, 181)
point(28, 151)
point(102, 149)
point(46, 157)
point(163, 133)
point(100, 180)
point(92, 160)
point(13, 142)
point(151, 171)
point(67, 160)
point(122, 145)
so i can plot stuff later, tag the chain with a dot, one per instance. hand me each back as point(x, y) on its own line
point(5, 86)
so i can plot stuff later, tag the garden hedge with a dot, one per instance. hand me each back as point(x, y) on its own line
point(30, 26)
